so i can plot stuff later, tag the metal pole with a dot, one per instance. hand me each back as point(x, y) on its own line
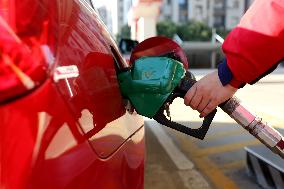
point(213, 53)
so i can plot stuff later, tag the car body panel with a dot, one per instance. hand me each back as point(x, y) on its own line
point(94, 96)
point(72, 132)
point(45, 148)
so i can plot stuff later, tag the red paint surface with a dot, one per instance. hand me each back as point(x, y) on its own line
point(281, 144)
point(20, 40)
point(159, 46)
point(74, 133)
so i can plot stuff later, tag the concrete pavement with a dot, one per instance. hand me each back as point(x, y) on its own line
point(162, 171)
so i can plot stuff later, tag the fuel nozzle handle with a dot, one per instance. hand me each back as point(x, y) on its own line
point(180, 91)
point(255, 125)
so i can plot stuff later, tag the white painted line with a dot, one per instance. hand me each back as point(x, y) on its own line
point(179, 159)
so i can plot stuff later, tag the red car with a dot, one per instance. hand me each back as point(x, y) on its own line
point(63, 122)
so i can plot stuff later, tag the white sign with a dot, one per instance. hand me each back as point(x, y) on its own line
point(65, 72)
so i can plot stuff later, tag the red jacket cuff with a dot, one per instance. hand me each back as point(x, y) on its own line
point(236, 83)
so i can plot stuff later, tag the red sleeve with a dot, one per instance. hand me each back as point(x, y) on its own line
point(257, 43)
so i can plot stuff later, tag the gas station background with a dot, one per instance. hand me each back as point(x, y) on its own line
point(142, 17)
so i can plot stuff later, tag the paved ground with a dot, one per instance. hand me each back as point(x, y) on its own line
point(219, 160)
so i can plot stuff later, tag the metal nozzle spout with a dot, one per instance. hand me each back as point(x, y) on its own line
point(256, 126)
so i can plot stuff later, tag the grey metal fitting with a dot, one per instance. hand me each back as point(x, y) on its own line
point(256, 126)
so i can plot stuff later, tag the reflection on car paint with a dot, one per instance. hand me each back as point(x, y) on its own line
point(62, 141)
point(120, 129)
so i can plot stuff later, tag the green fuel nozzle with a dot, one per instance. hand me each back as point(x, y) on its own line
point(153, 83)
point(150, 82)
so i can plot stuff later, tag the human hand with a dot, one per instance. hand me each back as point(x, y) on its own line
point(207, 94)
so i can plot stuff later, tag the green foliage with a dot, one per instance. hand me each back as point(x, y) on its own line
point(166, 28)
point(194, 31)
point(189, 31)
point(223, 33)
point(125, 33)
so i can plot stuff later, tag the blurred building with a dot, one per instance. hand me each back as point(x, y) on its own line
point(184, 10)
point(227, 13)
point(120, 13)
point(224, 14)
point(106, 17)
point(215, 13)
point(114, 13)
point(197, 10)
point(143, 18)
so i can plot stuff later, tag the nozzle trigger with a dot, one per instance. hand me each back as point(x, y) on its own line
point(199, 133)
point(186, 83)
